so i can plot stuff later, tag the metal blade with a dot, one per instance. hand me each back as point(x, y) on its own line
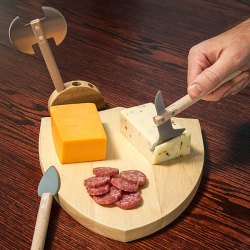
point(159, 103)
point(166, 130)
point(54, 24)
point(50, 182)
point(22, 36)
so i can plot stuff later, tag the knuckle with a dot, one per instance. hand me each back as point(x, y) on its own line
point(196, 49)
point(192, 50)
point(239, 59)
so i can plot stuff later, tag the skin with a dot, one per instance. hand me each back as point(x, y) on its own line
point(213, 60)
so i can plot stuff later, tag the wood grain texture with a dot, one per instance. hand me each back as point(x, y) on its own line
point(170, 186)
point(129, 50)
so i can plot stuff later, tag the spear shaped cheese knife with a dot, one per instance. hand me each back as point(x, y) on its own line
point(48, 187)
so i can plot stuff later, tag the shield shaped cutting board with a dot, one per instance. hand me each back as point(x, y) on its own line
point(170, 188)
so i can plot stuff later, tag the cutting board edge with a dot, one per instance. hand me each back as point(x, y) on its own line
point(107, 231)
point(170, 217)
point(128, 234)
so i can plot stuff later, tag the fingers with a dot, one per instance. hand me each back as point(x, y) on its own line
point(197, 62)
point(199, 58)
point(238, 84)
point(230, 87)
point(207, 80)
point(212, 61)
point(211, 77)
point(204, 68)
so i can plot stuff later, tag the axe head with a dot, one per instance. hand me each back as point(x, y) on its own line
point(166, 130)
point(54, 26)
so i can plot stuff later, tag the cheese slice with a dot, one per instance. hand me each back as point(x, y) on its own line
point(78, 133)
point(136, 123)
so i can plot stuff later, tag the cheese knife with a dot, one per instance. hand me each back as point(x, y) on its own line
point(48, 187)
point(166, 130)
point(185, 102)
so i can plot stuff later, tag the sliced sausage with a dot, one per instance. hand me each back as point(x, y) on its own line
point(96, 181)
point(124, 185)
point(134, 176)
point(99, 190)
point(129, 200)
point(105, 171)
point(112, 196)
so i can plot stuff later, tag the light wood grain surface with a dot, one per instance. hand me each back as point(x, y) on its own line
point(77, 92)
point(170, 188)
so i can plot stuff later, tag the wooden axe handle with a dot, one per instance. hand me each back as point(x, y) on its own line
point(186, 102)
point(47, 54)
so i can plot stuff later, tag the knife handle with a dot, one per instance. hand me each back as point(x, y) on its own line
point(42, 222)
point(185, 102)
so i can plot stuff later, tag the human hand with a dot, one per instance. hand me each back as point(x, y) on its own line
point(213, 60)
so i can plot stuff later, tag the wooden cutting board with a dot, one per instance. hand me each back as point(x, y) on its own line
point(171, 185)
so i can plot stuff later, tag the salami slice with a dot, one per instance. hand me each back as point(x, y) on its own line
point(105, 171)
point(112, 196)
point(134, 176)
point(129, 200)
point(124, 185)
point(96, 181)
point(98, 190)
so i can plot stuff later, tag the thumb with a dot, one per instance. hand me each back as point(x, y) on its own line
point(209, 78)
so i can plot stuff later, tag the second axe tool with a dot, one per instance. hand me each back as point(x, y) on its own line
point(185, 102)
point(166, 130)
point(163, 118)
point(52, 25)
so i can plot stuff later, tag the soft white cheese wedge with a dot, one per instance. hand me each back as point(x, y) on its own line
point(137, 125)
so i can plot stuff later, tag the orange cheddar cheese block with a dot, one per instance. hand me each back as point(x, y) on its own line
point(78, 133)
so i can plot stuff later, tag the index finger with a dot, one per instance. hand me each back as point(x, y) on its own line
point(197, 62)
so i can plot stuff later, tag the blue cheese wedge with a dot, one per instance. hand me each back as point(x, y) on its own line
point(137, 125)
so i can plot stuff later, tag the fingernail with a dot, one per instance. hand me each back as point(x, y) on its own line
point(195, 90)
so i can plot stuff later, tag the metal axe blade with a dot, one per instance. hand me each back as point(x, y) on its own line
point(54, 24)
point(22, 36)
point(166, 130)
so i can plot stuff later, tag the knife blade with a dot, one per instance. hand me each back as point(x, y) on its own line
point(165, 130)
point(47, 188)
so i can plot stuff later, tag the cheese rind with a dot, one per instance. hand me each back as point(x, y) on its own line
point(136, 123)
point(78, 133)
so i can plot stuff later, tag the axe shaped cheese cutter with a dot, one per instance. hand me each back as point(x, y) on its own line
point(166, 130)
point(52, 25)
point(164, 115)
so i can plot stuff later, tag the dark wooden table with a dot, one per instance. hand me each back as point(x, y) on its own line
point(129, 50)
